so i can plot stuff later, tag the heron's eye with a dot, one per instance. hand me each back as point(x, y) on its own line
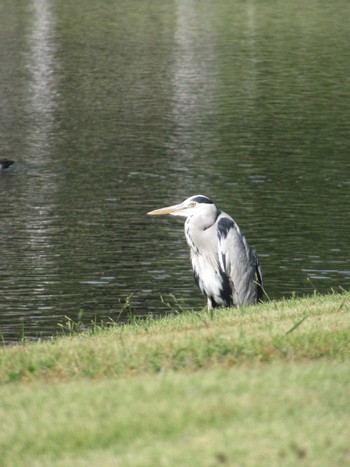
point(192, 204)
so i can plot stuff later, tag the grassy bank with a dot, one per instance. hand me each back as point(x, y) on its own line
point(266, 385)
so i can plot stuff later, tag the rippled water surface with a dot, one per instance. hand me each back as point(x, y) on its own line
point(111, 109)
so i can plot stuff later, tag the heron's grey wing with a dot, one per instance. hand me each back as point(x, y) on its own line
point(259, 280)
point(238, 261)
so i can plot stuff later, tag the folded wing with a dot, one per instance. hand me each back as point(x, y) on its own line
point(239, 263)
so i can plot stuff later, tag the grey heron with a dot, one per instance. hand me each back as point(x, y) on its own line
point(4, 164)
point(225, 268)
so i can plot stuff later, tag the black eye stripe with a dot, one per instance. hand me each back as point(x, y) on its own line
point(202, 199)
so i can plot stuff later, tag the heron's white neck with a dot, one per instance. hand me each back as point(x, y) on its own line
point(198, 230)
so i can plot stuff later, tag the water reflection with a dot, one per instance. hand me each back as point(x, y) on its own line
point(193, 84)
point(40, 187)
point(42, 61)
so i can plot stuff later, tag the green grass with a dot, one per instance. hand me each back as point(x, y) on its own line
point(265, 385)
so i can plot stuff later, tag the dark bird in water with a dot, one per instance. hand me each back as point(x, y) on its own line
point(225, 268)
point(5, 163)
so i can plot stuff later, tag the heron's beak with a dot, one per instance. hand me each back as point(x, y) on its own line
point(168, 210)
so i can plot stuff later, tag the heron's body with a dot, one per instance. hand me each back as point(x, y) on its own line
point(225, 268)
point(4, 164)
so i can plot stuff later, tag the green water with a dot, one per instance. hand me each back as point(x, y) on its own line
point(111, 109)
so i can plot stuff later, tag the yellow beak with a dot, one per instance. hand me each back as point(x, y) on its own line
point(164, 211)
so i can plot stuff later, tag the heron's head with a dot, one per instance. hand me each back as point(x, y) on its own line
point(195, 205)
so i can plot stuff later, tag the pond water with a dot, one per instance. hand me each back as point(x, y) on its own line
point(111, 109)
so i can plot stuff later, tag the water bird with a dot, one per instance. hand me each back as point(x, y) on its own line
point(5, 164)
point(225, 268)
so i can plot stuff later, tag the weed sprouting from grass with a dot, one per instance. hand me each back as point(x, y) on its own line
point(296, 325)
point(265, 294)
point(315, 291)
point(76, 326)
point(127, 307)
point(177, 307)
point(22, 338)
point(127, 310)
point(70, 326)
